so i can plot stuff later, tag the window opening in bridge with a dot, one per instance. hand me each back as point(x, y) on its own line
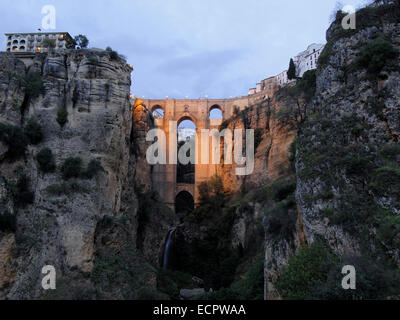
point(216, 113)
point(184, 203)
point(158, 113)
point(186, 133)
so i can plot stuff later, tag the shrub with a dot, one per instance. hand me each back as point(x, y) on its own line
point(308, 84)
point(92, 170)
point(93, 60)
point(8, 222)
point(280, 222)
point(49, 43)
point(325, 55)
point(285, 190)
point(251, 286)
point(171, 282)
point(375, 55)
point(71, 168)
point(375, 281)
point(33, 131)
point(81, 41)
point(113, 54)
point(310, 265)
point(391, 151)
point(62, 116)
point(20, 192)
point(33, 85)
point(15, 139)
point(46, 161)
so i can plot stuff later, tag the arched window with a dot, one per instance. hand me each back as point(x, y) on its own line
point(216, 113)
point(186, 135)
point(158, 112)
point(184, 203)
point(22, 48)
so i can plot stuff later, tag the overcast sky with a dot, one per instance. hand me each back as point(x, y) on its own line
point(193, 48)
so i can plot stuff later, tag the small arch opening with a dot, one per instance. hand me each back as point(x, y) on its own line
point(186, 134)
point(184, 203)
point(216, 113)
point(158, 112)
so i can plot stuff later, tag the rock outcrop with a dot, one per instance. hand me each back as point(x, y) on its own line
point(70, 223)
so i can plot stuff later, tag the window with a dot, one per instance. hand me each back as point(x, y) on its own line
point(216, 113)
point(158, 112)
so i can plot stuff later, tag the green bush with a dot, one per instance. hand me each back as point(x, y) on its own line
point(249, 287)
point(171, 282)
point(309, 266)
point(62, 116)
point(71, 168)
point(93, 60)
point(325, 55)
point(283, 191)
point(49, 43)
point(33, 85)
point(280, 222)
point(8, 222)
point(46, 161)
point(375, 281)
point(113, 54)
point(391, 151)
point(376, 54)
point(33, 131)
point(20, 191)
point(308, 84)
point(15, 139)
point(93, 169)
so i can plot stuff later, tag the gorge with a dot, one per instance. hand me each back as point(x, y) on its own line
point(77, 192)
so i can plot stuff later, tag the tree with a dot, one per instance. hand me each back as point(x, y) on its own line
point(49, 43)
point(292, 70)
point(82, 41)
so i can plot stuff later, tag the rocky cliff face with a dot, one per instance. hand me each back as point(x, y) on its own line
point(81, 101)
point(273, 138)
point(347, 165)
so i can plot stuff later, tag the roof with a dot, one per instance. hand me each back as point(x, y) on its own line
point(44, 32)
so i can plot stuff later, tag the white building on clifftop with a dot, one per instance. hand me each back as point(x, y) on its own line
point(304, 61)
point(33, 42)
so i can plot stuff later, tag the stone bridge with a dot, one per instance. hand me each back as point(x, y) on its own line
point(198, 111)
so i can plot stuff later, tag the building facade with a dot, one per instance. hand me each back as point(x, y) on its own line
point(304, 61)
point(33, 42)
point(308, 59)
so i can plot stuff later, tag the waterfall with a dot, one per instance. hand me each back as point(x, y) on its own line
point(167, 249)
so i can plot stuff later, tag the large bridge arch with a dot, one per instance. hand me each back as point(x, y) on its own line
point(184, 203)
point(198, 111)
